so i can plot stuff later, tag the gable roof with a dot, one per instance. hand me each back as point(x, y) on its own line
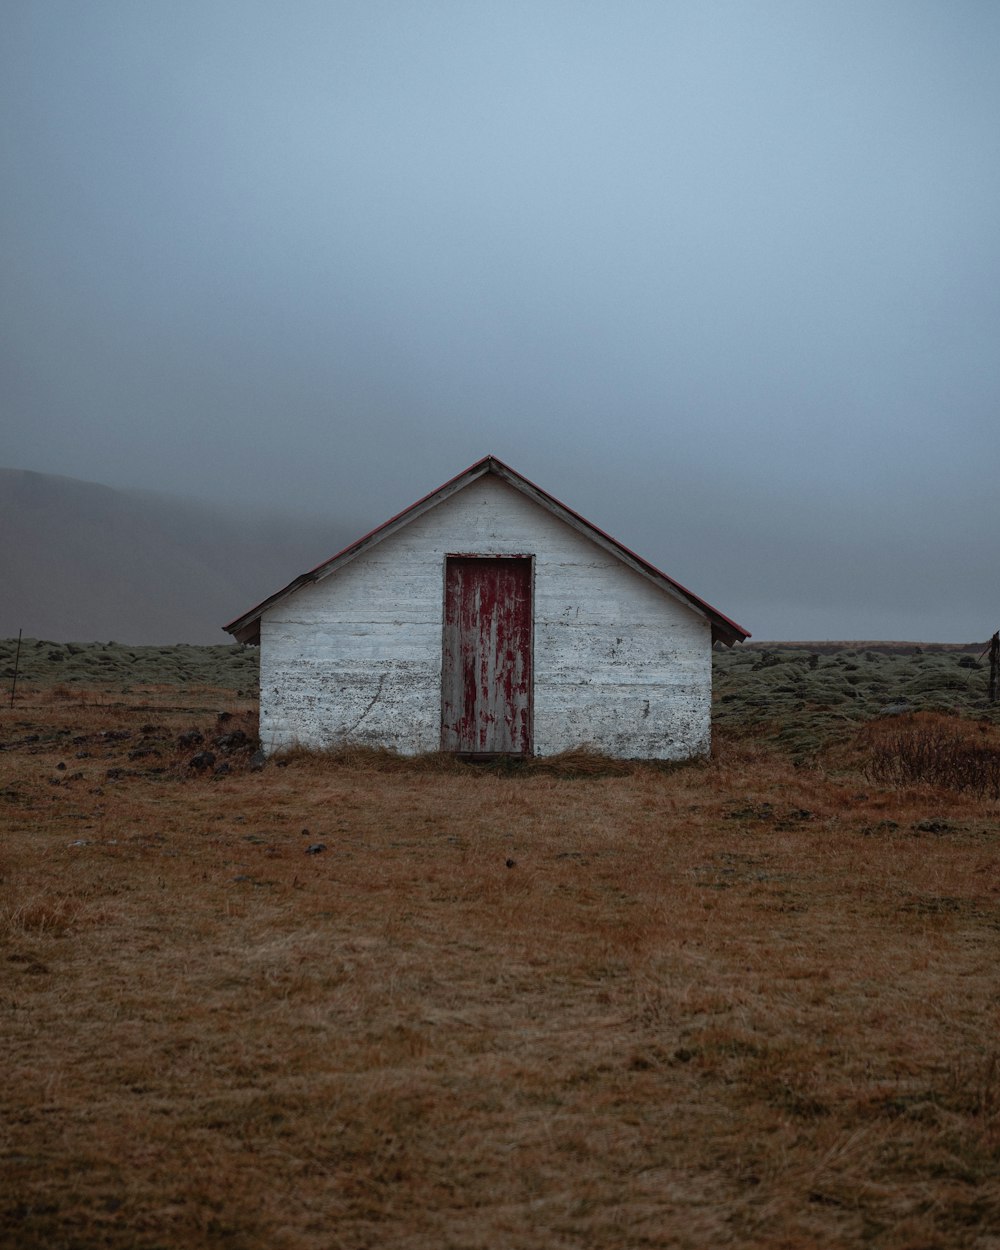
point(246, 628)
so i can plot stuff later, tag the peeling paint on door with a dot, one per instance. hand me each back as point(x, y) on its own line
point(486, 664)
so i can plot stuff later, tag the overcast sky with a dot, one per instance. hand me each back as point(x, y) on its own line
point(724, 277)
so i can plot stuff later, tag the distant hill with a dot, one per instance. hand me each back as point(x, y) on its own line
point(81, 562)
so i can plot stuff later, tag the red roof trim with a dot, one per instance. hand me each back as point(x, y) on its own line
point(246, 628)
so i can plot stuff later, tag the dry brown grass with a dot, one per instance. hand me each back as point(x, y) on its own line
point(736, 1003)
point(941, 750)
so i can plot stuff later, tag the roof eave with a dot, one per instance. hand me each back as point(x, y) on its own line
point(246, 628)
point(728, 637)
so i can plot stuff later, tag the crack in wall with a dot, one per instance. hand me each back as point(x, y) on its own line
point(375, 698)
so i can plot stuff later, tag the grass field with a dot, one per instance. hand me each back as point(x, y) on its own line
point(750, 1001)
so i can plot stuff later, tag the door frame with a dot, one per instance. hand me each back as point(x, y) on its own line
point(529, 559)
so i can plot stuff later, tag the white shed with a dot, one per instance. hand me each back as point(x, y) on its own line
point(487, 619)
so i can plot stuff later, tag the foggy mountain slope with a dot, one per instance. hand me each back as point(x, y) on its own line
point(83, 562)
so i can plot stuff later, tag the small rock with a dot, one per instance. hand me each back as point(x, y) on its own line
point(232, 742)
point(190, 739)
point(257, 761)
point(222, 769)
point(317, 848)
point(201, 761)
point(511, 863)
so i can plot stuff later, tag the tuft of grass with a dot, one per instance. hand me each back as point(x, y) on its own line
point(581, 762)
point(364, 759)
point(935, 750)
point(48, 914)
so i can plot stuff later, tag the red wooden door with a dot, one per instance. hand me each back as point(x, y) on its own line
point(486, 666)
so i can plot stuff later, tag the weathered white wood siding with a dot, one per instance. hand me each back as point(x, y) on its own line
point(618, 663)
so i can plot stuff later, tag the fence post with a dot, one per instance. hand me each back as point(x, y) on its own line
point(17, 661)
point(994, 666)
